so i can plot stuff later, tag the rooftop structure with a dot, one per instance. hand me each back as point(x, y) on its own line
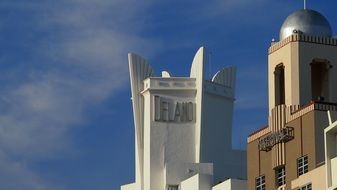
point(289, 154)
point(183, 128)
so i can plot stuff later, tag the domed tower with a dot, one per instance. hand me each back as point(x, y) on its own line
point(302, 65)
point(302, 72)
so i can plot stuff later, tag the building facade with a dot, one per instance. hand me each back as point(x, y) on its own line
point(289, 153)
point(183, 128)
point(330, 136)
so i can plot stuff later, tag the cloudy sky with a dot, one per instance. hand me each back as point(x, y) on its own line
point(65, 111)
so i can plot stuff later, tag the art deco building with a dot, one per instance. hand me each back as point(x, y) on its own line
point(330, 135)
point(183, 129)
point(288, 154)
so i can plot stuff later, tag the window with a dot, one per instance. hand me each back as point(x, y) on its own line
point(280, 176)
point(260, 183)
point(306, 187)
point(302, 165)
point(279, 85)
point(172, 187)
point(320, 80)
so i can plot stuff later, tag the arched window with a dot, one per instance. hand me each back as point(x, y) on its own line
point(279, 85)
point(320, 80)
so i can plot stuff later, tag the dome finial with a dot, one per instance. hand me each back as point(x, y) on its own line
point(307, 22)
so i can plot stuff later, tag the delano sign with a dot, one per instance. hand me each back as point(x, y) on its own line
point(284, 135)
point(168, 110)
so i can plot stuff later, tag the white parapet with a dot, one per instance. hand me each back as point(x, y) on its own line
point(197, 182)
point(175, 172)
point(131, 186)
point(232, 184)
point(330, 137)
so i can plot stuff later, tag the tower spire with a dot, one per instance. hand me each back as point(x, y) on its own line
point(305, 4)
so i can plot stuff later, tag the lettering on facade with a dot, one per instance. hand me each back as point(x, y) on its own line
point(284, 135)
point(168, 110)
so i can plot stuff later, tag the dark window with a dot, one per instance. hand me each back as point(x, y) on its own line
point(302, 165)
point(306, 187)
point(279, 85)
point(320, 81)
point(260, 183)
point(172, 187)
point(280, 176)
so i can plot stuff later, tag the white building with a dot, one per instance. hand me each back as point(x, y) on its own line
point(330, 136)
point(183, 129)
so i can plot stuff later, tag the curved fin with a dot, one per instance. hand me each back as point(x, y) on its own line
point(225, 77)
point(197, 68)
point(165, 74)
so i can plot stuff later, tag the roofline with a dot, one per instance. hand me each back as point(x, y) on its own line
point(302, 108)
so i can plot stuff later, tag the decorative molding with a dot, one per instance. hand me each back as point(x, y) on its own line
point(292, 112)
point(258, 134)
point(284, 135)
point(302, 38)
point(173, 83)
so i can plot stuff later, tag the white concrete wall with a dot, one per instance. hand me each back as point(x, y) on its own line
point(239, 184)
point(232, 184)
point(334, 172)
point(190, 183)
point(131, 186)
point(216, 133)
point(169, 149)
point(178, 171)
point(330, 138)
point(168, 145)
point(197, 182)
point(226, 185)
point(205, 182)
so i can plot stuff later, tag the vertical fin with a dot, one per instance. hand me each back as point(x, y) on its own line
point(197, 72)
point(139, 70)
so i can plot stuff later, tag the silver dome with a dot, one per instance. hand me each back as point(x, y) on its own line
point(308, 22)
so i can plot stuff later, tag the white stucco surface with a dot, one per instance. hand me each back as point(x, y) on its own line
point(197, 182)
point(330, 134)
point(183, 127)
point(130, 186)
point(231, 184)
point(334, 172)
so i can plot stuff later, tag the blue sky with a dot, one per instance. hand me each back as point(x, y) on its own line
point(65, 111)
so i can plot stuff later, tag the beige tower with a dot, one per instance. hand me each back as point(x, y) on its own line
point(288, 154)
point(302, 66)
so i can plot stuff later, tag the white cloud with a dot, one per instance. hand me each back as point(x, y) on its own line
point(83, 45)
point(15, 175)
